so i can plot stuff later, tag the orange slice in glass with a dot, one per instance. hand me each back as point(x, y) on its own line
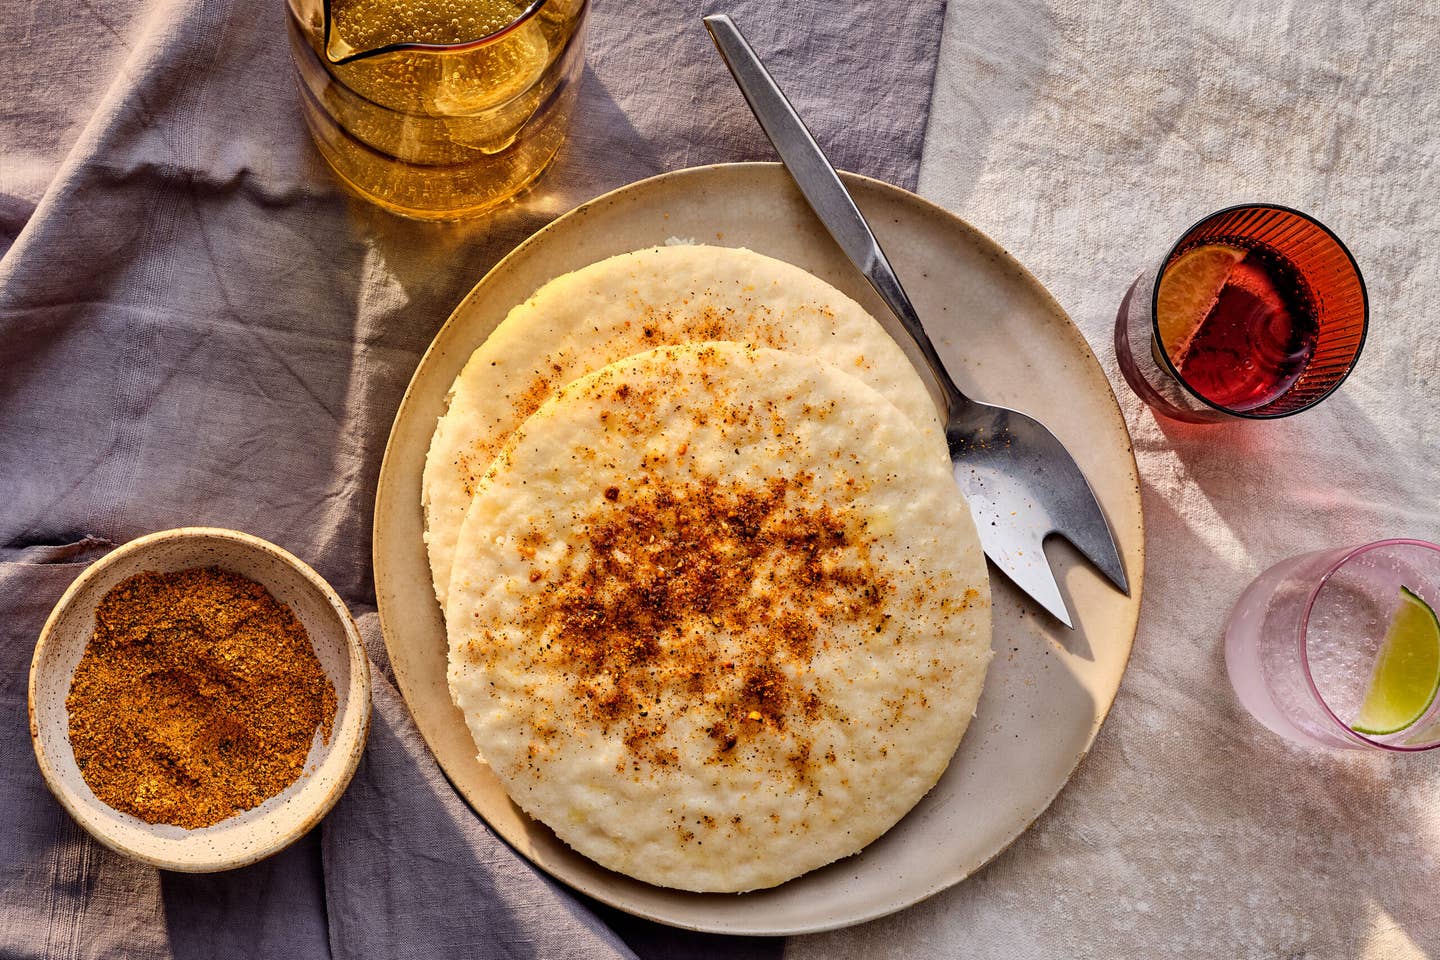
point(1188, 290)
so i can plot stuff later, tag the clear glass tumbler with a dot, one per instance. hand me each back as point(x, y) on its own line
point(436, 110)
point(1258, 311)
point(1304, 637)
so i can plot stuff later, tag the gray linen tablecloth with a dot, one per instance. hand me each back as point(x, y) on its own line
point(197, 327)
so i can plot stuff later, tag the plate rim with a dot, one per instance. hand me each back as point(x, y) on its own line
point(921, 205)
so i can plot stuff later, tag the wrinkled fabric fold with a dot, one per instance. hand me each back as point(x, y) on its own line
point(197, 326)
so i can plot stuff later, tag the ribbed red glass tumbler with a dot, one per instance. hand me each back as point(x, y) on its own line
point(1257, 311)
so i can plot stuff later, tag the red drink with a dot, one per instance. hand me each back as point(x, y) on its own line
point(1256, 338)
point(1257, 311)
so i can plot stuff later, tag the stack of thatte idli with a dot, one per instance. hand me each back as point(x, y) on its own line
point(717, 612)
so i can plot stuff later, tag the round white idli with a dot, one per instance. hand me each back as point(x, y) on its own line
point(718, 616)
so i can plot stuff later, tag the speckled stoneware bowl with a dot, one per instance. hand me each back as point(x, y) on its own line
point(279, 821)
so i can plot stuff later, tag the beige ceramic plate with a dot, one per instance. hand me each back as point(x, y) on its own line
point(279, 821)
point(1007, 342)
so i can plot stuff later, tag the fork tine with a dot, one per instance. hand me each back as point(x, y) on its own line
point(1098, 545)
point(1028, 569)
point(1083, 523)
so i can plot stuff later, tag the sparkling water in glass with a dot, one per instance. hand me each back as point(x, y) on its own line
point(1304, 636)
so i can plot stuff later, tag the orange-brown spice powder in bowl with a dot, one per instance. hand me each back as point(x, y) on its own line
point(197, 697)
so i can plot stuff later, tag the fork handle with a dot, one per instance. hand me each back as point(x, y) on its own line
point(822, 188)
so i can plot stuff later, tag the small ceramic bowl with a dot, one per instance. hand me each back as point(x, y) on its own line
point(279, 821)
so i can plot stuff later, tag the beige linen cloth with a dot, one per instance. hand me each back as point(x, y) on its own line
point(1085, 137)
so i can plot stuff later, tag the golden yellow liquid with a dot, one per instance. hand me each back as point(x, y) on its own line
point(439, 134)
point(367, 24)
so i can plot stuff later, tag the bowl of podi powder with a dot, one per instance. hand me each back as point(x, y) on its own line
point(199, 699)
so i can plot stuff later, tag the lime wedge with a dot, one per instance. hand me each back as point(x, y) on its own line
point(1407, 670)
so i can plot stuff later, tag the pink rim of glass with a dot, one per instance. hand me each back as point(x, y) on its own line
point(463, 45)
point(1341, 725)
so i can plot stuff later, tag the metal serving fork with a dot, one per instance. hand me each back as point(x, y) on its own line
point(1021, 482)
